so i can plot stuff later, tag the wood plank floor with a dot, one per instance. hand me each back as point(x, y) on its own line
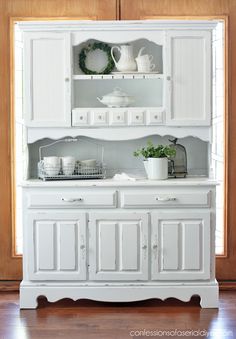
point(87, 319)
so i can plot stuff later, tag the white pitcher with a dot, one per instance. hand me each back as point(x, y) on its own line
point(144, 63)
point(126, 62)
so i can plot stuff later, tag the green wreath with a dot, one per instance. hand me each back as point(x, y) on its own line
point(92, 47)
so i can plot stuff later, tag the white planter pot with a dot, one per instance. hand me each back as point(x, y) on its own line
point(156, 168)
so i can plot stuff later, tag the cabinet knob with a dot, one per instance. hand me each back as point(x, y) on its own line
point(144, 247)
point(82, 247)
point(137, 117)
point(99, 117)
point(154, 246)
point(67, 79)
point(168, 77)
point(118, 117)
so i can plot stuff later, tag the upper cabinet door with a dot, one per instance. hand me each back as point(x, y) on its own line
point(47, 82)
point(188, 78)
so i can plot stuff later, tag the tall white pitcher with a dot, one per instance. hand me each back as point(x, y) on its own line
point(126, 63)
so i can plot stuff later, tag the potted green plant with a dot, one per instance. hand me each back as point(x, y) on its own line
point(155, 160)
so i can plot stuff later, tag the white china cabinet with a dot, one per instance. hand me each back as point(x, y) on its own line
point(118, 240)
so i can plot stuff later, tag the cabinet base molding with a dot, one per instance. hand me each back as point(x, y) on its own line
point(209, 293)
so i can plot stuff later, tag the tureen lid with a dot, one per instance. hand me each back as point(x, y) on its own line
point(117, 92)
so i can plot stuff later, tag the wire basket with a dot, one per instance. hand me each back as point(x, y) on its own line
point(78, 172)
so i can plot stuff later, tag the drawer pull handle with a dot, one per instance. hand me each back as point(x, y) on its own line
point(72, 200)
point(165, 199)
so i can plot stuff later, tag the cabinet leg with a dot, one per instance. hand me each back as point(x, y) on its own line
point(210, 299)
point(28, 299)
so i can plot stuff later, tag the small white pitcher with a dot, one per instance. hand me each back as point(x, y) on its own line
point(144, 63)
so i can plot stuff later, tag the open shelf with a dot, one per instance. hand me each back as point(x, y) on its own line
point(136, 75)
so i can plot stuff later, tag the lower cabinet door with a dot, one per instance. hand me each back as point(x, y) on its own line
point(181, 246)
point(118, 247)
point(56, 246)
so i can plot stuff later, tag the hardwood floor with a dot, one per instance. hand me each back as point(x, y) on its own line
point(87, 319)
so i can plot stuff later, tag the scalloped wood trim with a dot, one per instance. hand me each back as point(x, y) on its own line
point(209, 293)
point(116, 134)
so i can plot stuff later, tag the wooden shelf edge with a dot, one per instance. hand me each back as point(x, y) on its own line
point(128, 76)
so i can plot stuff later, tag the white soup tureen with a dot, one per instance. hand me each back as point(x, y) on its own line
point(117, 98)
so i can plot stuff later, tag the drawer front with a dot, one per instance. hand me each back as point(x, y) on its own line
point(137, 117)
point(99, 118)
point(72, 200)
point(155, 199)
point(118, 117)
point(155, 117)
point(80, 117)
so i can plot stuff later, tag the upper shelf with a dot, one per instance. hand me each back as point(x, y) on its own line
point(137, 75)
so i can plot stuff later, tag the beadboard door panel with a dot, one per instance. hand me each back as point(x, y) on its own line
point(47, 79)
point(189, 74)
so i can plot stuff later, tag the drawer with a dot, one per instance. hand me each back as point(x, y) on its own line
point(99, 117)
point(80, 117)
point(137, 117)
point(72, 200)
point(118, 117)
point(155, 199)
point(155, 117)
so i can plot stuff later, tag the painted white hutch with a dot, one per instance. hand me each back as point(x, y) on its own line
point(118, 240)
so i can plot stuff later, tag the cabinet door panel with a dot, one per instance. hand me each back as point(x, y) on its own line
point(44, 234)
point(57, 248)
point(181, 246)
point(47, 79)
point(118, 246)
point(170, 240)
point(189, 78)
point(107, 246)
point(130, 239)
